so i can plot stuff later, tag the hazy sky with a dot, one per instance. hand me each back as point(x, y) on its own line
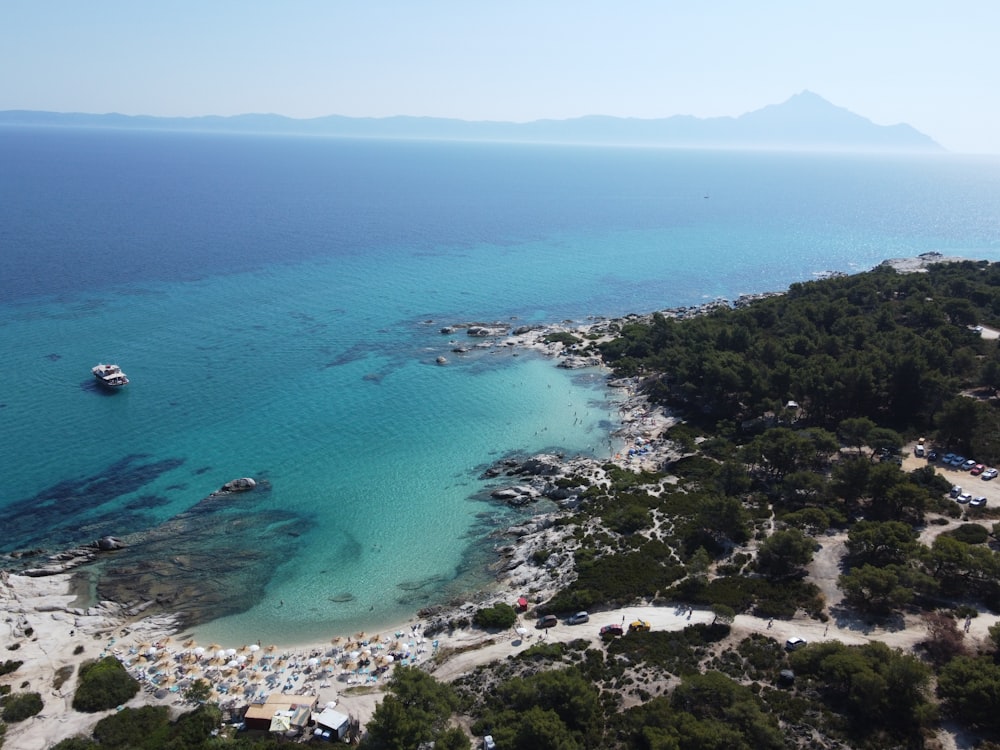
point(934, 65)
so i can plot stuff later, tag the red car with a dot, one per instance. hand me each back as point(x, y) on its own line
point(977, 470)
point(610, 631)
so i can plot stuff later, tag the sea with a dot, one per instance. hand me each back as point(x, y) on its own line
point(278, 304)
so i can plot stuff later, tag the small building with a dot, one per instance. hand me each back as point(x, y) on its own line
point(295, 708)
point(330, 724)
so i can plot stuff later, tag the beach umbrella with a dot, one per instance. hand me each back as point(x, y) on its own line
point(190, 643)
point(254, 647)
point(230, 652)
point(272, 647)
point(376, 638)
point(214, 647)
point(221, 654)
point(360, 635)
point(241, 659)
point(521, 631)
point(337, 640)
point(313, 662)
point(350, 666)
point(199, 652)
point(354, 655)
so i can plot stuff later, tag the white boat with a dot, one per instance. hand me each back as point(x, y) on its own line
point(110, 375)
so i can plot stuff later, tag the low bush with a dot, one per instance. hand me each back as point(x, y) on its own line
point(10, 666)
point(103, 684)
point(134, 727)
point(20, 706)
point(970, 533)
point(499, 616)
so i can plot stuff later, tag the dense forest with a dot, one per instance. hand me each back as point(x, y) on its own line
point(796, 409)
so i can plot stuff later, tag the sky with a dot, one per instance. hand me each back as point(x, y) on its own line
point(931, 64)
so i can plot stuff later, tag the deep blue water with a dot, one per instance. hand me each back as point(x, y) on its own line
point(276, 302)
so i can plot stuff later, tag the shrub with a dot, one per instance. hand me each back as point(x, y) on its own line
point(103, 684)
point(76, 743)
point(134, 727)
point(561, 337)
point(10, 666)
point(62, 674)
point(20, 706)
point(970, 533)
point(500, 615)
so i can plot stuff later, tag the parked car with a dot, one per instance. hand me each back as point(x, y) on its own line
point(548, 621)
point(989, 474)
point(955, 491)
point(932, 456)
point(957, 461)
point(977, 470)
point(578, 619)
point(639, 625)
point(488, 743)
point(947, 458)
point(918, 451)
point(610, 631)
point(977, 502)
point(794, 643)
point(965, 497)
point(968, 464)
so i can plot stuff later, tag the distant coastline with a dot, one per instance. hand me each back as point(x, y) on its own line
point(806, 121)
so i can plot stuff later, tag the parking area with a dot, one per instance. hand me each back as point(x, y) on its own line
point(971, 484)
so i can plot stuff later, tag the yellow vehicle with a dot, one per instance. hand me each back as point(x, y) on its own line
point(639, 625)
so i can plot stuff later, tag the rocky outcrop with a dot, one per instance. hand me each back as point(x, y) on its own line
point(547, 476)
point(243, 484)
point(485, 331)
point(109, 543)
point(517, 496)
point(576, 362)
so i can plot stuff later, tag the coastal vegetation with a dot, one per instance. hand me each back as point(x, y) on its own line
point(103, 684)
point(795, 409)
point(20, 706)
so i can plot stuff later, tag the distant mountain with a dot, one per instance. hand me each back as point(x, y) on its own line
point(807, 121)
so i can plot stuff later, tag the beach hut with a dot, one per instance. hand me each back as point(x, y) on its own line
point(333, 722)
point(297, 707)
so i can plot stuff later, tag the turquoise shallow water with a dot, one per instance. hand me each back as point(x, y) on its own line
point(277, 304)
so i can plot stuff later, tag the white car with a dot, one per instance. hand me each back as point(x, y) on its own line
point(989, 474)
point(488, 743)
point(965, 497)
point(794, 643)
point(977, 502)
